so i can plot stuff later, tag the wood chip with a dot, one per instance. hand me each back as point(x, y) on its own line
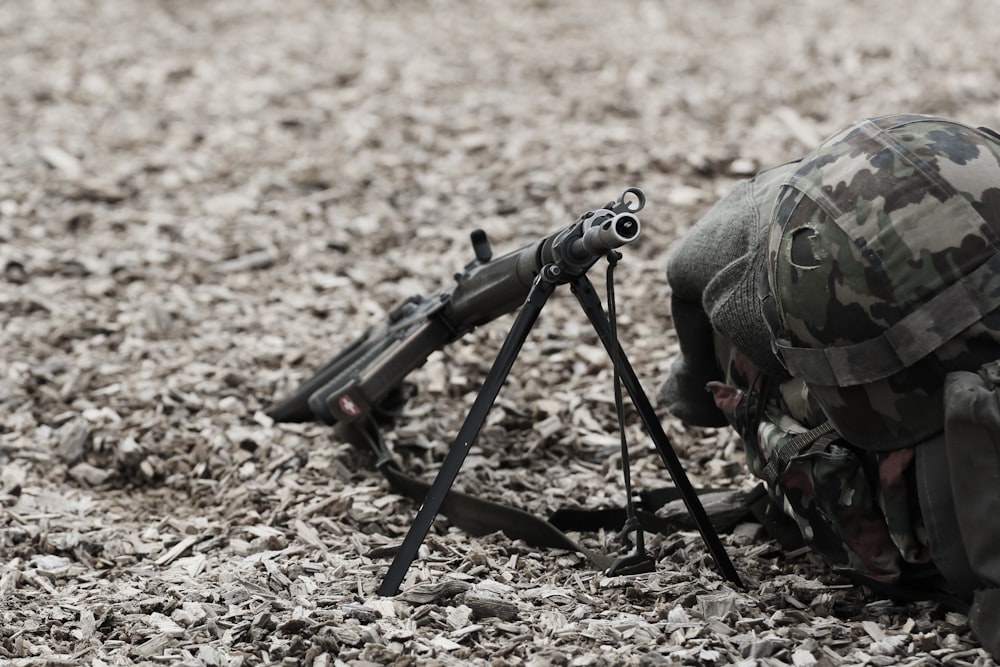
point(175, 551)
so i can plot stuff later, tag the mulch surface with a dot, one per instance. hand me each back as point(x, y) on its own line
point(201, 202)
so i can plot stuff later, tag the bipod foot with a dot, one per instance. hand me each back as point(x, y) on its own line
point(637, 562)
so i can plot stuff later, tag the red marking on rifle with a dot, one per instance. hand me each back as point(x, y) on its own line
point(349, 407)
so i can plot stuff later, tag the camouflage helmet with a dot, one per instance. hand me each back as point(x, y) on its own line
point(884, 272)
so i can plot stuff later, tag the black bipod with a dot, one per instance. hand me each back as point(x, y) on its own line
point(544, 285)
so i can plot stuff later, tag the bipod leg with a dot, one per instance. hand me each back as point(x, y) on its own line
point(525, 320)
point(585, 294)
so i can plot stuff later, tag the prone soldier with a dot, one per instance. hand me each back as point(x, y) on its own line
point(842, 313)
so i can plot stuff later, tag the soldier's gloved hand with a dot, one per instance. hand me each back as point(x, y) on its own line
point(685, 395)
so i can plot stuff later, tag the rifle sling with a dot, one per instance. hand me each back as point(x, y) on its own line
point(473, 515)
point(480, 517)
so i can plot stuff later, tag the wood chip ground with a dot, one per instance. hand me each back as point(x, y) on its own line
point(200, 202)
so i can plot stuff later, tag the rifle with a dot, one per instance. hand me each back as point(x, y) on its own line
point(365, 380)
point(354, 382)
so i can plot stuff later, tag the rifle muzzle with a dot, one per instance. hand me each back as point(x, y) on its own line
point(605, 235)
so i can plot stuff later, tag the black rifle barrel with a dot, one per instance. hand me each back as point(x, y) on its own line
point(500, 286)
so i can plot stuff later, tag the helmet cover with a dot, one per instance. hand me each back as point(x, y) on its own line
point(884, 268)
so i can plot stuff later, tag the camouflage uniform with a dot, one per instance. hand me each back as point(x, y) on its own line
point(871, 529)
point(823, 303)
